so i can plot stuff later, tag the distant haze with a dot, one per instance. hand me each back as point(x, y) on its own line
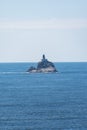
point(31, 28)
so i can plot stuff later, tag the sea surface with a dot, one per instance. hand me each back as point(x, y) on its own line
point(43, 101)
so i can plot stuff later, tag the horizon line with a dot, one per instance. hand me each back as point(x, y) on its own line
point(37, 62)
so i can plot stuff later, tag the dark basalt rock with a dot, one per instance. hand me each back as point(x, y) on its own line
point(43, 66)
point(31, 69)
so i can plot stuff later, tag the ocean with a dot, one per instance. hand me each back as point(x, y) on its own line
point(43, 101)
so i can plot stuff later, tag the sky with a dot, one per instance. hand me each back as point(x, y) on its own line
point(31, 28)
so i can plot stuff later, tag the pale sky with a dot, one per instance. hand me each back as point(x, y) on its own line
point(30, 28)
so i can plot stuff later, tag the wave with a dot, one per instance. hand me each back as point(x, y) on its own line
point(8, 73)
point(62, 72)
point(13, 73)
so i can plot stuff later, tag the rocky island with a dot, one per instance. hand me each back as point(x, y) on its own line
point(44, 66)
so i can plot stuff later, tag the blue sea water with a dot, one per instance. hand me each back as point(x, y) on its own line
point(54, 101)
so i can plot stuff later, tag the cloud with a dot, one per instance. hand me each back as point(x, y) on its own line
point(45, 24)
